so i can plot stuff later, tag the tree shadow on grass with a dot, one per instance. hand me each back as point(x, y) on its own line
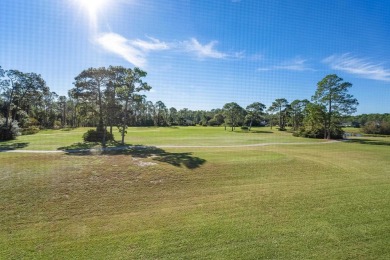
point(368, 141)
point(255, 132)
point(66, 129)
point(79, 146)
point(12, 146)
point(137, 151)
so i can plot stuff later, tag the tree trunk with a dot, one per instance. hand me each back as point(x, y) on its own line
point(124, 122)
point(100, 124)
point(280, 117)
point(9, 107)
point(104, 137)
point(329, 119)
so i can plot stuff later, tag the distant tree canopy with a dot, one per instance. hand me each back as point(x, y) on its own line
point(23, 98)
point(115, 97)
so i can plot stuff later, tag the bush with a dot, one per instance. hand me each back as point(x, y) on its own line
point(32, 122)
point(30, 130)
point(57, 124)
point(212, 122)
point(95, 136)
point(244, 127)
point(7, 133)
point(336, 133)
point(373, 127)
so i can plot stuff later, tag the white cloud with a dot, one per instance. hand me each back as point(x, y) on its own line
point(264, 69)
point(204, 51)
point(358, 66)
point(119, 45)
point(134, 51)
point(153, 45)
point(297, 64)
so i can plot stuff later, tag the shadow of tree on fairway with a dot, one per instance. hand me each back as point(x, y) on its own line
point(12, 146)
point(254, 132)
point(368, 141)
point(137, 151)
point(79, 146)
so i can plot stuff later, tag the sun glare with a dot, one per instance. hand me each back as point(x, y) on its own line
point(92, 7)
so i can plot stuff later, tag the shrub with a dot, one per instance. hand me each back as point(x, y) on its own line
point(212, 122)
point(30, 130)
point(57, 124)
point(385, 128)
point(95, 136)
point(7, 133)
point(336, 133)
point(373, 127)
point(244, 127)
point(32, 122)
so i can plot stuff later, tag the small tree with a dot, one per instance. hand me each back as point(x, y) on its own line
point(280, 105)
point(254, 112)
point(173, 117)
point(297, 113)
point(128, 83)
point(313, 121)
point(89, 86)
point(233, 113)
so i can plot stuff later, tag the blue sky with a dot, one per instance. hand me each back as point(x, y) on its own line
point(202, 54)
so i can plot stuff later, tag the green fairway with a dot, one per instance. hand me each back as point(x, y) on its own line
point(167, 136)
point(313, 201)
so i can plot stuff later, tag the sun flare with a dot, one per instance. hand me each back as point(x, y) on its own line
point(93, 8)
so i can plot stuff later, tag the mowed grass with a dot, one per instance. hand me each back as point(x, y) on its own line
point(315, 201)
point(171, 136)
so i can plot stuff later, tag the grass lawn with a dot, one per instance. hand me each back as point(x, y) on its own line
point(176, 136)
point(317, 201)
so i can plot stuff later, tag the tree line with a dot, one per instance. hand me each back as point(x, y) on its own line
point(115, 97)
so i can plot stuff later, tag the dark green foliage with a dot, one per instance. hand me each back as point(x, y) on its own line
point(332, 95)
point(314, 123)
point(212, 122)
point(234, 114)
point(8, 132)
point(363, 119)
point(280, 106)
point(97, 136)
point(336, 133)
